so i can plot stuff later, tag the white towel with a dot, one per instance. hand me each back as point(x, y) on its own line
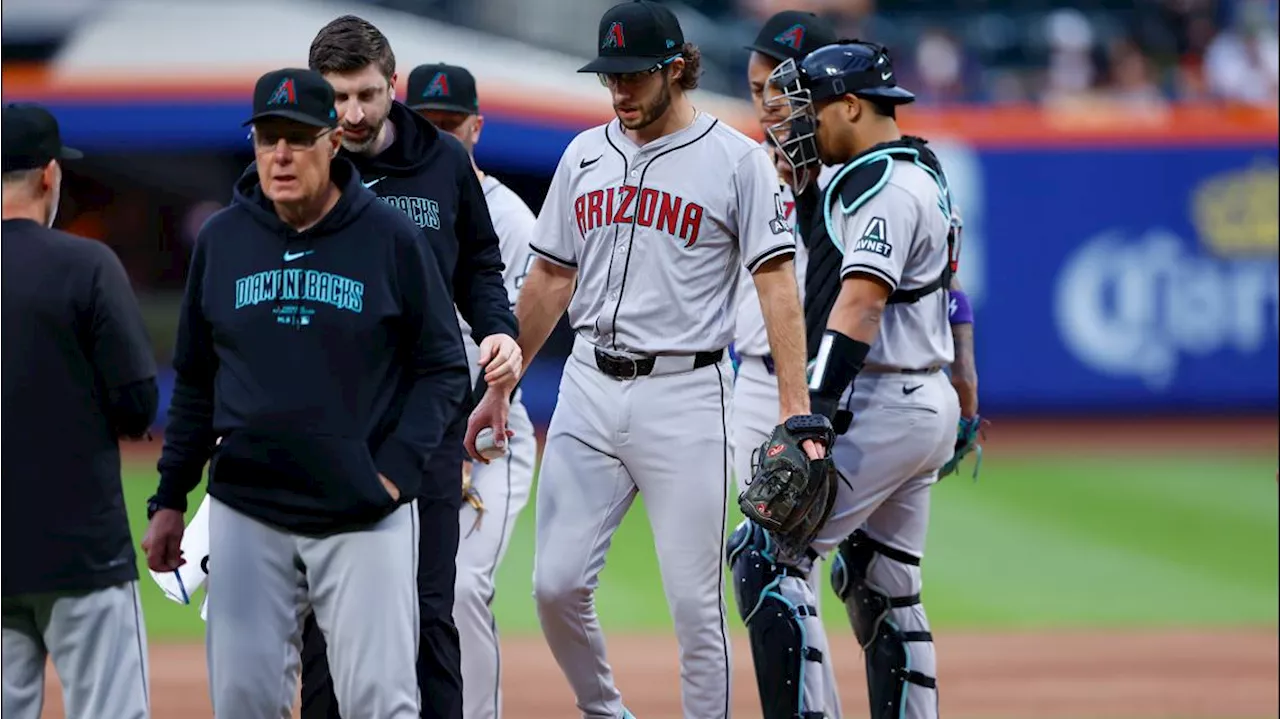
point(181, 585)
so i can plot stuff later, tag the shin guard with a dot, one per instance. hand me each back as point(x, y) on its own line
point(774, 601)
point(880, 588)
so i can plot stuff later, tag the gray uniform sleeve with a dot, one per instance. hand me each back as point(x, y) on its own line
point(758, 216)
point(877, 237)
point(515, 224)
point(555, 233)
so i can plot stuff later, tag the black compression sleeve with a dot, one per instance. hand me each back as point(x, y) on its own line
point(839, 360)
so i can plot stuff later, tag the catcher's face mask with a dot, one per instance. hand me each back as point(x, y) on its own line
point(795, 134)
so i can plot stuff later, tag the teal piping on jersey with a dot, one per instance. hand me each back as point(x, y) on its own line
point(944, 193)
point(835, 184)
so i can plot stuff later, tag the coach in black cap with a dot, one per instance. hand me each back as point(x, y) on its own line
point(32, 139)
point(319, 353)
point(294, 94)
point(289, 105)
point(78, 374)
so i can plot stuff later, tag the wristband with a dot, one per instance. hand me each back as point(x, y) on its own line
point(161, 500)
point(959, 312)
point(839, 360)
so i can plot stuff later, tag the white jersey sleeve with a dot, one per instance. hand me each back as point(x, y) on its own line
point(750, 337)
point(514, 223)
point(761, 218)
point(880, 235)
point(555, 239)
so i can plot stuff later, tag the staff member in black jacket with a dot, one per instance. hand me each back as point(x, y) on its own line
point(428, 175)
point(78, 375)
point(319, 353)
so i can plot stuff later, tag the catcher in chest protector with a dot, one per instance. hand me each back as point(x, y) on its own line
point(887, 410)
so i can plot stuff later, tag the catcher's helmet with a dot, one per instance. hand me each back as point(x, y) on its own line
point(855, 68)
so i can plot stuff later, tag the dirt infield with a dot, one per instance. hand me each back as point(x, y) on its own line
point(1076, 675)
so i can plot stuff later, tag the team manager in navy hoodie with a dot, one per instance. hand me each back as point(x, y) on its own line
point(427, 175)
point(318, 362)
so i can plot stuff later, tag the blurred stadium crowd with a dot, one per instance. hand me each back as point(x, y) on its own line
point(1132, 52)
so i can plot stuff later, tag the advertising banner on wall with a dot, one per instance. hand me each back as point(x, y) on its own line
point(1128, 278)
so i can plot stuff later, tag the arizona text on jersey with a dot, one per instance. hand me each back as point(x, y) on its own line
point(658, 236)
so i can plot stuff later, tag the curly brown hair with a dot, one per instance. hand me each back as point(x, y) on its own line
point(692, 66)
point(348, 44)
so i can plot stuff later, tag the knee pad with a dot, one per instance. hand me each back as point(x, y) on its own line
point(770, 602)
point(881, 620)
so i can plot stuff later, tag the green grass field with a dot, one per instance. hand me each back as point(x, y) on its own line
point(1042, 542)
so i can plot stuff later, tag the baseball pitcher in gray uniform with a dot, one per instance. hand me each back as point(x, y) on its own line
point(495, 491)
point(878, 376)
point(787, 34)
point(652, 215)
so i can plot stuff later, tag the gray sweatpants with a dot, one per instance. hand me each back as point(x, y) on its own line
point(98, 643)
point(363, 589)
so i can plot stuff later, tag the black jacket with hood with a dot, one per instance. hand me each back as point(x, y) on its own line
point(308, 363)
point(427, 174)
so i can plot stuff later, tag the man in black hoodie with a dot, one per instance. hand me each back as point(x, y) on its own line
point(318, 362)
point(428, 175)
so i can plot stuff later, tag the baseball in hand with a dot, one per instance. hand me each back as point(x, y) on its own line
point(486, 446)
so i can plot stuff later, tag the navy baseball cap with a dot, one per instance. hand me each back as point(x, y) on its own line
point(636, 36)
point(32, 138)
point(295, 94)
point(443, 87)
point(792, 34)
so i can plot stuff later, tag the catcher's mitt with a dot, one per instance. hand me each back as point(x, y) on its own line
point(967, 434)
point(789, 494)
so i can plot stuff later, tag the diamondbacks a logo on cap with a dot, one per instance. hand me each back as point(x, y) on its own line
point(284, 94)
point(792, 37)
point(614, 37)
point(438, 87)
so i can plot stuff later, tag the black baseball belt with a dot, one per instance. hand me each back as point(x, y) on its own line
point(621, 367)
